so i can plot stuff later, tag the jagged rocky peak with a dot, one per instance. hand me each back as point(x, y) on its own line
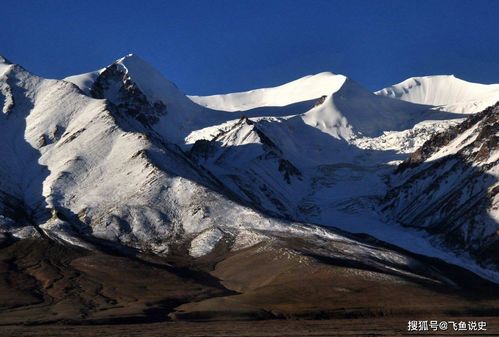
point(152, 83)
point(116, 84)
point(136, 88)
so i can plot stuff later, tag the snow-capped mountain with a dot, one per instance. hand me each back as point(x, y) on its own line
point(122, 155)
point(79, 165)
point(139, 90)
point(340, 106)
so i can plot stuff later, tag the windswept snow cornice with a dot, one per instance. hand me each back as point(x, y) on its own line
point(303, 89)
point(439, 90)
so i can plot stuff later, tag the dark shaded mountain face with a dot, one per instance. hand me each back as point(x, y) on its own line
point(123, 199)
point(449, 187)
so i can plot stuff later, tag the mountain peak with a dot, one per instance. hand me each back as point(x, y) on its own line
point(439, 90)
point(150, 80)
point(354, 108)
point(134, 69)
point(132, 58)
point(307, 88)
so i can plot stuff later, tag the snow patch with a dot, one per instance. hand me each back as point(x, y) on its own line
point(205, 242)
point(247, 238)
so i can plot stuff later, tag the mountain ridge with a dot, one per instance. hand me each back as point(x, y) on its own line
point(300, 206)
point(187, 167)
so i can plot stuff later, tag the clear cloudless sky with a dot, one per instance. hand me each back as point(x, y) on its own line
point(216, 46)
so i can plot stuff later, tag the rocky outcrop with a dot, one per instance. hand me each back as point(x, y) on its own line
point(115, 85)
point(450, 187)
point(439, 140)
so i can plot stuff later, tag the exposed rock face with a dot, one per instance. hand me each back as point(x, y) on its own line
point(115, 85)
point(443, 138)
point(450, 186)
point(320, 100)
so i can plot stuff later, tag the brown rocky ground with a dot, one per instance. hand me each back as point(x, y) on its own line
point(44, 282)
point(48, 289)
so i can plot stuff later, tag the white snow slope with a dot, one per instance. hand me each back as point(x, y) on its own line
point(129, 158)
point(304, 89)
point(446, 91)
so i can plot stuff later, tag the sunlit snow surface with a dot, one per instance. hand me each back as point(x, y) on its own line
point(71, 154)
point(445, 92)
point(356, 177)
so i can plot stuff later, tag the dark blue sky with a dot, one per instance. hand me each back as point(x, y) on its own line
point(209, 47)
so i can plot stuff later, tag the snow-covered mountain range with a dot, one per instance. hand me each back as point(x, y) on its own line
point(121, 155)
